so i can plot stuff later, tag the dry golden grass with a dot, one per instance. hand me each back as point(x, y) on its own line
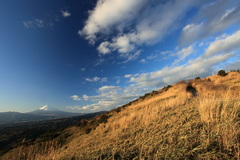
point(175, 124)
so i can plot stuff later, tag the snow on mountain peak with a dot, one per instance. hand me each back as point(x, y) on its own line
point(45, 108)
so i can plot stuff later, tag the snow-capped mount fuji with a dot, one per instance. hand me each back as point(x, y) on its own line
point(53, 112)
point(47, 108)
point(43, 113)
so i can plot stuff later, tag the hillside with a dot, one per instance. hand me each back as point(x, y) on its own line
point(12, 135)
point(194, 119)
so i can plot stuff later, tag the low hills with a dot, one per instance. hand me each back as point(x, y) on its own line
point(194, 119)
point(42, 113)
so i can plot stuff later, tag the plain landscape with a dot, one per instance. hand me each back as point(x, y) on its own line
point(193, 119)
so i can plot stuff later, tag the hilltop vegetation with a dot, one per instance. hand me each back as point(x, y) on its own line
point(195, 119)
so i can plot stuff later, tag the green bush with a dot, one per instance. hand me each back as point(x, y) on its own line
point(222, 73)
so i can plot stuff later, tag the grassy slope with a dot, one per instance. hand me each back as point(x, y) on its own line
point(194, 120)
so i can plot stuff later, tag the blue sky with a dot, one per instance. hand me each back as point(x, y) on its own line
point(92, 55)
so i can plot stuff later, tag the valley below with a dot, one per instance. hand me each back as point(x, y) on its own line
point(13, 135)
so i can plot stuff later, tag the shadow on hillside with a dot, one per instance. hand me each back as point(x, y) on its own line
point(191, 90)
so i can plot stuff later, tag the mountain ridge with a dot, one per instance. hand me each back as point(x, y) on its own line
point(43, 113)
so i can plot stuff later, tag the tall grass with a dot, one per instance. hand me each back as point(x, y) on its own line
point(40, 151)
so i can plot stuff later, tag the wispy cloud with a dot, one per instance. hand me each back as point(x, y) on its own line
point(224, 44)
point(44, 22)
point(96, 79)
point(75, 97)
point(66, 13)
point(211, 19)
point(131, 57)
point(217, 52)
point(36, 23)
point(184, 53)
point(143, 61)
point(83, 69)
point(109, 97)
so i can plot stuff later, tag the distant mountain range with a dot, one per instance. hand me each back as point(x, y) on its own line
point(42, 113)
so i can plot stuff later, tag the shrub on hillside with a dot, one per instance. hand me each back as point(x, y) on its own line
point(235, 70)
point(222, 73)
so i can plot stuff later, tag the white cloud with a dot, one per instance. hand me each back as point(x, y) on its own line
point(113, 18)
point(211, 19)
point(143, 61)
point(104, 79)
point(103, 48)
point(66, 13)
point(39, 23)
point(122, 45)
point(169, 75)
point(96, 79)
point(218, 52)
point(83, 69)
point(118, 81)
point(124, 26)
point(184, 53)
point(76, 98)
point(101, 105)
point(108, 13)
point(110, 97)
point(127, 76)
point(225, 44)
point(108, 88)
point(131, 57)
point(233, 66)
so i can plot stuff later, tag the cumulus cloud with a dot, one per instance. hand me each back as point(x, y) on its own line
point(96, 79)
point(113, 18)
point(212, 19)
point(75, 97)
point(65, 13)
point(108, 13)
point(104, 48)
